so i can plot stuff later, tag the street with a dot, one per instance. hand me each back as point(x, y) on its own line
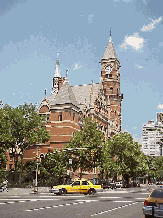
point(117, 203)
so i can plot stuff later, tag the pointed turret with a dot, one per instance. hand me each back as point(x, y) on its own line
point(110, 51)
point(57, 71)
point(56, 78)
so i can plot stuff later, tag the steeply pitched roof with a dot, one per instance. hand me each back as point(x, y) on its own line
point(82, 94)
point(51, 97)
point(65, 95)
point(110, 51)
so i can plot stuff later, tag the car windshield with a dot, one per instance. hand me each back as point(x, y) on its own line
point(157, 194)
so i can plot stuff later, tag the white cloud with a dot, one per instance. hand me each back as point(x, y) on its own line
point(134, 41)
point(76, 67)
point(139, 66)
point(160, 106)
point(152, 25)
point(161, 44)
point(90, 16)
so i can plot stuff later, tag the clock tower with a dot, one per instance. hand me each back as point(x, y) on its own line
point(110, 77)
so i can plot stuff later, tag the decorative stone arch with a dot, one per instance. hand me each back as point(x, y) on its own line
point(44, 109)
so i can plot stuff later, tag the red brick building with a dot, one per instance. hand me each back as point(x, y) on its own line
point(67, 104)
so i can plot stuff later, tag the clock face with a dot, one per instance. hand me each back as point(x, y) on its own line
point(109, 69)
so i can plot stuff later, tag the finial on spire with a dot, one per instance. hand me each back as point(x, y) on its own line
point(45, 92)
point(110, 40)
point(66, 72)
point(57, 61)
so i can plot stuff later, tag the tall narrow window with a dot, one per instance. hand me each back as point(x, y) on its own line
point(73, 116)
point(111, 89)
point(60, 116)
point(47, 118)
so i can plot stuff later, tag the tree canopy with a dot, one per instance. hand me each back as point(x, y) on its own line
point(21, 127)
point(86, 146)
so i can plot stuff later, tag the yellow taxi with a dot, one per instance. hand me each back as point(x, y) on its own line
point(81, 186)
point(153, 204)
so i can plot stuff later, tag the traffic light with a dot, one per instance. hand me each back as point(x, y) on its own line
point(92, 153)
point(36, 156)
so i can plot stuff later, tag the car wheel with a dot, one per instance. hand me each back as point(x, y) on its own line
point(62, 191)
point(91, 191)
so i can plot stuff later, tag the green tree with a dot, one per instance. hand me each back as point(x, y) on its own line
point(159, 167)
point(53, 168)
point(86, 146)
point(108, 166)
point(21, 127)
point(128, 156)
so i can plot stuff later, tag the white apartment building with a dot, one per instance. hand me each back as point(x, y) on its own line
point(152, 133)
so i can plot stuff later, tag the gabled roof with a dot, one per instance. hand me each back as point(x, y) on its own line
point(83, 92)
point(65, 95)
point(110, 51)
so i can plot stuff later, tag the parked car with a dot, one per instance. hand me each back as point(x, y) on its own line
point(105, 184)
point(112, 185)
point(153, 204)
point(118, 184)
point(126, 185)
point(78, 186)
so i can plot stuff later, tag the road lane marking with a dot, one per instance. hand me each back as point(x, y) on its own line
point(110, 197)
point(61, 205)
point(113, 209)
point(29, 199)
point(122, 201)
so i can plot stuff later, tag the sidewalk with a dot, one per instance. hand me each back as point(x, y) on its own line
point(24, 191)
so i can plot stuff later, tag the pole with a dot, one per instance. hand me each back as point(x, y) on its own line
point(36, 187)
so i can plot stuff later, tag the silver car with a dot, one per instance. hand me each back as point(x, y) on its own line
point(153, 204)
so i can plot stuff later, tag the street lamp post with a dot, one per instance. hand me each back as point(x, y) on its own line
point(36, 186)
point(70, 164)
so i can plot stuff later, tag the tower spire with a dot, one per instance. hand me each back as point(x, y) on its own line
point(56, 77)
point(110, 40)
point(66, 72)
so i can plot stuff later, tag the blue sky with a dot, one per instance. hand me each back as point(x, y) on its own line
point(33, 31)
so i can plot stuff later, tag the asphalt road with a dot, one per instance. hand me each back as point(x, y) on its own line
point(120, 203)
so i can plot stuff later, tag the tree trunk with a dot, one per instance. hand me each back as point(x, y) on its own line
point(21, 169)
